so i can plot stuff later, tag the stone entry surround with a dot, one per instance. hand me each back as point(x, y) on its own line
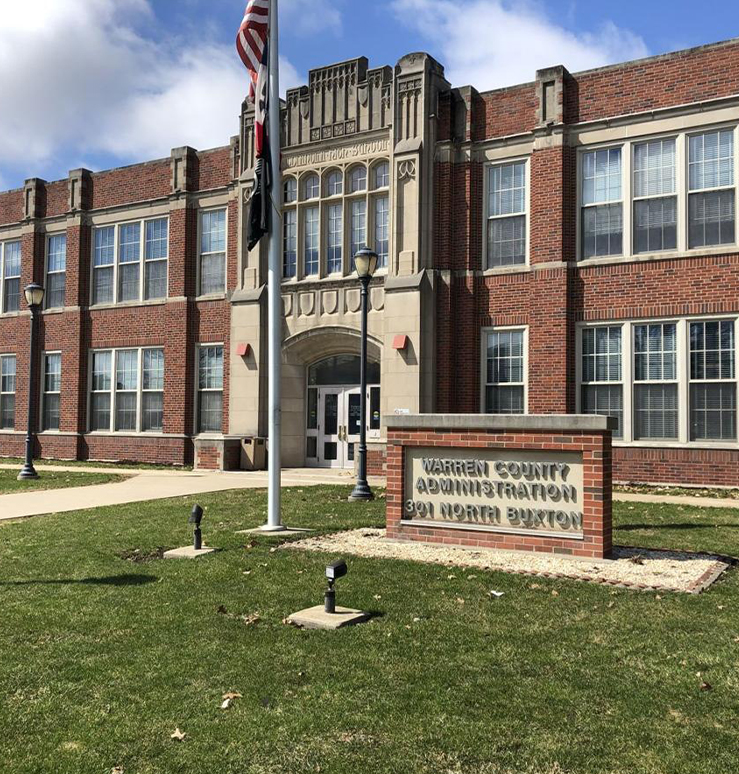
point(562, 505)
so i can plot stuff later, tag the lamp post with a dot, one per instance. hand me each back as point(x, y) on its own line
point(34, 298)
point(365, 262)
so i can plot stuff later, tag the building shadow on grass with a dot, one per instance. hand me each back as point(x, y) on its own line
point(106, 580)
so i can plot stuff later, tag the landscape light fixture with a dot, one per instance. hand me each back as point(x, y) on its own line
point(195, 518)
point(333, 573)
point(34, 294)
point(365, 262)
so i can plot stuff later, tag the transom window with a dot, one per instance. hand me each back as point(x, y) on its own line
point(56, 270)
point(505, 371)
point(7, 392)
point(127, 390)
point(10, 276)
point(665, 194)
point(130, 261)
point(506, 213)
point(322, 234)
point(666, 382)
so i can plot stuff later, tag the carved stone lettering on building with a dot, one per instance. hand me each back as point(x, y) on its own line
point(498, 490)
point(360, 150)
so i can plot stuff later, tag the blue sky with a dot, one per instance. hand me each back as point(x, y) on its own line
point(122, 81)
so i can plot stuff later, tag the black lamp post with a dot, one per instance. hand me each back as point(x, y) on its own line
point(365, 262)
point(34, 298)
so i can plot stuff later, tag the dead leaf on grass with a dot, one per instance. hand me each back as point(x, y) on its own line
point(177, 735)
point(706, 686)
point(460, 600)
point(116, 770)
point(555, 593)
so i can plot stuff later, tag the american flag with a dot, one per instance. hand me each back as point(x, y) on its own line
point(251, 43)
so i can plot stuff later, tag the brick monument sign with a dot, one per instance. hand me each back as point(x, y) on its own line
point(528, 483)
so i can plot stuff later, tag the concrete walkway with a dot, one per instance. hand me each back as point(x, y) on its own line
point(158, 484)
point(141, 485)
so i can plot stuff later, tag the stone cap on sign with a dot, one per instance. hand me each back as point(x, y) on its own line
point(560, 423)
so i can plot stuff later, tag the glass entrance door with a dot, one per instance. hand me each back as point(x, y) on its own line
point(331, 444)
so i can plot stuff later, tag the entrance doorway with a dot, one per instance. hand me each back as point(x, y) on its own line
point(333, 415)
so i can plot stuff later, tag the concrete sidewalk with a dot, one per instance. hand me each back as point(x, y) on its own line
point(143, 485)
point(158, 484)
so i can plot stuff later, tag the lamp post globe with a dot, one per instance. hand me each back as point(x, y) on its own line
point(365, 263)
point(34, 294)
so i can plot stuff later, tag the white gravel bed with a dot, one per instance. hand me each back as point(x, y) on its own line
point(629, 567)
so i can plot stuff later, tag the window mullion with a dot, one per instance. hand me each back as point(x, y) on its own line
point(139, 390)
point(113, 391)
point(142, 267)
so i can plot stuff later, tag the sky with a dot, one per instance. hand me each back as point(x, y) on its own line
point(104, 83)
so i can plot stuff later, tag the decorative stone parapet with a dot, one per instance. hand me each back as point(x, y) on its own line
point(527, 483)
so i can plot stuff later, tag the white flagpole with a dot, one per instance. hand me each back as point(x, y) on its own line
point(274, 519)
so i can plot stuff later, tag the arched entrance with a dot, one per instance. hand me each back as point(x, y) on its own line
point(333, 414)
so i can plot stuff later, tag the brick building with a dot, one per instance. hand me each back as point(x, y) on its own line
point(564, 245)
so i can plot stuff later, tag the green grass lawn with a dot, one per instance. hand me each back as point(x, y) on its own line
point(103, 657)
point(49, 479)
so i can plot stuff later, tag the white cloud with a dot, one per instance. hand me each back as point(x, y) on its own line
point(82, 81)
point(490, 44)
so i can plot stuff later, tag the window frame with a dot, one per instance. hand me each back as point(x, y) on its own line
point(484, 332)
point(682, 182)
point(196, 408)
point(3, 248)
point(44, 392)
point(47, 272)
point(199, 262)
point(487, 167)
point(683, 379)
point(114, 391)
point(142, 262)
point(14, 393)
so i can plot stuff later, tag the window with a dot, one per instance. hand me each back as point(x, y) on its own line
point(56, 270)
point(212, 252)
point(382, 223)
point(358, 179)
point(130, 261)
point(671, 382)
point(290, 256)
point(712, 381)
point(52, 385)
point(711, 219)
point(152, 407)
point(602, 388)
point(311, 187)
point(311, 244)
point(602, 213)
point(358, 226)
point(334, 183)
point(291, 190)
point(329, 216)
point(7, 392)
point(210, 389)
point(664, 194)
point(10, 276)
point(655, 200)
point(655, 378)
point(156, 252)
point(382, 174)
point(335, 238)
point(127, 390)
point(506, 236)
point(505, 372)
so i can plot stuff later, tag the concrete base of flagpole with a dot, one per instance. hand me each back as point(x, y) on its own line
point(266, 529)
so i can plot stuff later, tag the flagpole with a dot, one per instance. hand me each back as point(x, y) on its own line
point(274, 278)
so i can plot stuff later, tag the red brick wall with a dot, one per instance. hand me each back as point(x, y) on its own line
point(687, 76)
point(215, 168)
point(141, 182)
point(11, 206)
point(596, 507)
